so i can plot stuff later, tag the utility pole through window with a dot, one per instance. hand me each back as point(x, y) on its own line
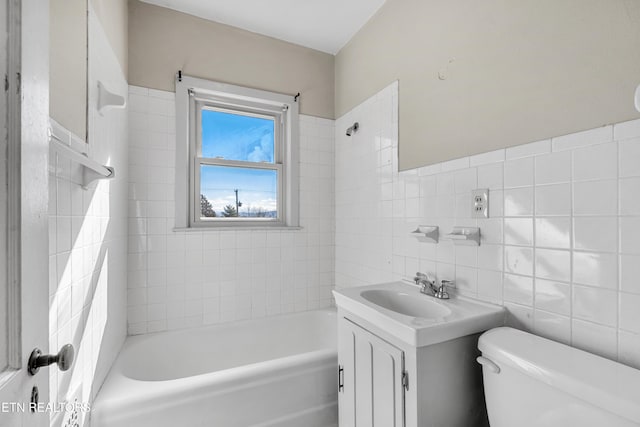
point(238, 203)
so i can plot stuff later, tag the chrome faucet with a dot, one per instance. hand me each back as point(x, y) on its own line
point(427, 283)
point(442, 291)
point(429, 287)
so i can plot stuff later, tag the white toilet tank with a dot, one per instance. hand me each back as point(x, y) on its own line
point(532, 381)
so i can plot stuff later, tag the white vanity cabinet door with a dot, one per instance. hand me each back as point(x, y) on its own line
point(372, 390)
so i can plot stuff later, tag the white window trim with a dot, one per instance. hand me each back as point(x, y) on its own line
point(185, 201)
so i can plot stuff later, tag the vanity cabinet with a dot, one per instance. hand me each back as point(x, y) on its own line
point(372, 379)
point(387, 383)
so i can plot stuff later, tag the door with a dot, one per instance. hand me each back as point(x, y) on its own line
point(371, 385)
point(24, 289)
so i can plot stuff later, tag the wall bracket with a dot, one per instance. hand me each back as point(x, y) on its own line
point(427, 233)
point(465, 236)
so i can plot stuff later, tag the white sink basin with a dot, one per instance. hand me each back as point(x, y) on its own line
point(404, 303)
point(400, 311)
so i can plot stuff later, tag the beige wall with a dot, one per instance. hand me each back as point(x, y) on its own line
point(68, 55)
point(68, 64)
point(163, 41)
point(523, 71)
point(114, 16)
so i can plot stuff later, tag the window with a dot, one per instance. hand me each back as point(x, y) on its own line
point(237, 162)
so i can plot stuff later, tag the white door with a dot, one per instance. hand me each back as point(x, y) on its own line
point(24, 289)
point(371, 385)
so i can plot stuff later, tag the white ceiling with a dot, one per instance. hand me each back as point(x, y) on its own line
point(325, 25)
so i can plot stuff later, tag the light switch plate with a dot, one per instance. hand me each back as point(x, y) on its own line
point(480, 203)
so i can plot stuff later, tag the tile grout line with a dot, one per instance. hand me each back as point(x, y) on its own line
point(571, 244)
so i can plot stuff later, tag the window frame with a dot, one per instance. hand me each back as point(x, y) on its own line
point(199, 160)
point(192, 96)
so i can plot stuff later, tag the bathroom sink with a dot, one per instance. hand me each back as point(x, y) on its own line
point(404, 303)
point(398, 311)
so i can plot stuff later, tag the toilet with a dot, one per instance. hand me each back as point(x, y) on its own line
point(532, 381)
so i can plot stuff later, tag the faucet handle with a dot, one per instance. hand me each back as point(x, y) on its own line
point(422, 277)
point(449, 283)
point(442, 290)
point(442, 293)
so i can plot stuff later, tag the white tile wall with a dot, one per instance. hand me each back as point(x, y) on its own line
point(560, 250)
point(87, 245)
point(180, 279)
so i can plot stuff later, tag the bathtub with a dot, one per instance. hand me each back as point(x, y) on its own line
point(278, 372)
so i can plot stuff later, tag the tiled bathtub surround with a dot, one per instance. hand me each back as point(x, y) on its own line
point(561, 249)
point(87, 245)
point(181, 279)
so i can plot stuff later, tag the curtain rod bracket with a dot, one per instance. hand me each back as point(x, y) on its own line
point(295, 98)
point(179, 75)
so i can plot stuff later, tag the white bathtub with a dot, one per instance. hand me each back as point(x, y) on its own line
point(278, 371)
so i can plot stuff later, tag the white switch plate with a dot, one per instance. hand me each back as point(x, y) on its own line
point(480, 203)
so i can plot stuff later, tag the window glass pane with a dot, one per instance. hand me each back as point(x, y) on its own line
point(237, 137)
point(231, 192)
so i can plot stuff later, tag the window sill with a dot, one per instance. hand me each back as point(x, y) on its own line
point(234, 228)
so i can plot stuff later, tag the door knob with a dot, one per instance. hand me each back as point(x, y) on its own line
point(64, 359)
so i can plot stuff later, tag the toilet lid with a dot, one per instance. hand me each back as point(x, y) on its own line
point(601, 382)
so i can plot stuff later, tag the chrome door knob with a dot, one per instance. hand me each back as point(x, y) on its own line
point(64, 359)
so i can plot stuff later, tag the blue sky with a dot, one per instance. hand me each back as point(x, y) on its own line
point(236, 137)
